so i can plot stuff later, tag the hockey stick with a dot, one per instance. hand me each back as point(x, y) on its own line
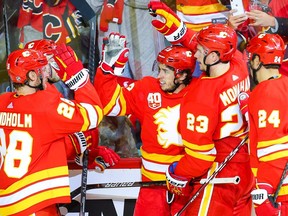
point(84, 182)
point(231, 180)
point(283, 176)
point(220, 167)
point(119, 185)
point(89, 16)
point(92, 48)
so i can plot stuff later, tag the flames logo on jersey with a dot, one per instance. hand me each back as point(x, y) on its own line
point(167, 120)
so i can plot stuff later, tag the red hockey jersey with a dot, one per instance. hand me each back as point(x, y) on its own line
point(158, 113)
point(268, 113)
point(210, 112)
point(33, 164)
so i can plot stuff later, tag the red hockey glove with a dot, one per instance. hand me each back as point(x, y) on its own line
point(114, 54)
point(70, 67)
point(243, 104)
point(99, 158)
point(263, 202)
point(82, 140)
point(177, 185)
point(102, 158)
point(170, 25)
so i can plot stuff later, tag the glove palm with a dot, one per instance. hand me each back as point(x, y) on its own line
point(114, 54)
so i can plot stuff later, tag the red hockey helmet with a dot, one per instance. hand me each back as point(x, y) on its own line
point(44, 45)
point(21, 61)
point(269, 47)
point(178, 57)
point(219, 38)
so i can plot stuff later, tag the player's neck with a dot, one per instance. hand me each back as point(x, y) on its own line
point(25, 90)
point(219, 69)
point(266, 74)
point(180, 87)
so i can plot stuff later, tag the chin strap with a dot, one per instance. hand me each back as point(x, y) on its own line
point(40, 86)
point(209, 65)
point(175, 87)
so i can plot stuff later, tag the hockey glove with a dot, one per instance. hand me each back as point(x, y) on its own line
point(70, 68)
point(177, 185)
point(114, 54)
point(169, 24)
point(243, 104)
point(83, 140)
point(99, 158)
point(263, 202)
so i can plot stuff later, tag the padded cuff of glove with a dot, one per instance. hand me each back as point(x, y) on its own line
point(78, 80)
point(106, 68)
point(176, 36)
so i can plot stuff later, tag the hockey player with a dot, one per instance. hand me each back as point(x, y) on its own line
point(155, 103)
point(211, 122)
point(48, 47)
point(212, 126)
point(268, 125)
point(100, 157)
point(33, 166)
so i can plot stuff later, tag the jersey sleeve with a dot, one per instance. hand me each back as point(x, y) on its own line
point(117, 100)
point(69, 116)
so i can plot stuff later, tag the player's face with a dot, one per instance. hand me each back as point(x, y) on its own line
point(54, 76)
point(46, 73)
point(166, 78)
point(254, 68)
point(199, 55)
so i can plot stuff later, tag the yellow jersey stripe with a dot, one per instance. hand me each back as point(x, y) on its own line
point(160, 158)
point(111, 103)
point(272, 142)
point(32, 200)
point(204, 157)
point(35, 177)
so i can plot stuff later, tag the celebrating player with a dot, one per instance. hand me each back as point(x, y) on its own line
point(33, 167)
point(267, 109)
point(212, 125)
point(211, 122)
point(100, 157)
point(155, 102)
